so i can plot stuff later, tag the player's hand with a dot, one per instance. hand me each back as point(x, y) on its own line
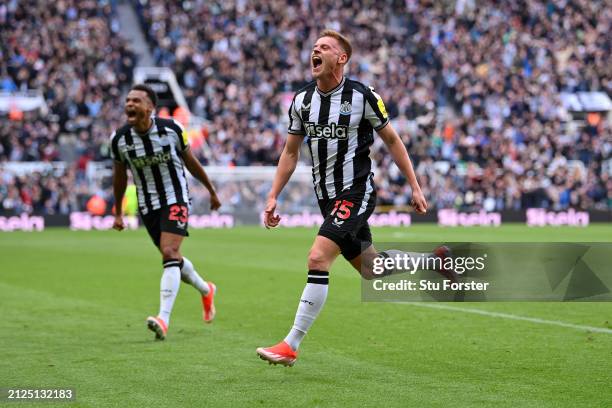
point(118, 224)
point(215, 203)
point(271, 219)
point(418, 202)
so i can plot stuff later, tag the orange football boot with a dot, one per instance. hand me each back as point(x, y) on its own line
point(443, 252)
point(158, 326)
point(208, 303)
point(282, 353)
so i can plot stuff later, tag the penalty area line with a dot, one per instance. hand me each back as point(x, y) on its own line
point(512, 317)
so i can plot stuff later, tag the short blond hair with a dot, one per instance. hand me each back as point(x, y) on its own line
point(345, 43)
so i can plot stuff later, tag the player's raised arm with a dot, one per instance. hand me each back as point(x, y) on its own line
point(286, 166)
point(197, 171)
point(400, 157)
point(120, 180)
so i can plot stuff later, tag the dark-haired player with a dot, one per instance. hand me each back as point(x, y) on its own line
point(339, 117)
point(157, 152)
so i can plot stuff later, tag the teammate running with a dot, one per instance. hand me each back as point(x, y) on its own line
point(156, 151)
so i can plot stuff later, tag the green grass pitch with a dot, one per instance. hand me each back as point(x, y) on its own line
point(73, 306)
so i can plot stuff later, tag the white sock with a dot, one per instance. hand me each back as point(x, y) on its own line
point(169, 287)
point(190, 276)
point(311, 303)
point(409, 261)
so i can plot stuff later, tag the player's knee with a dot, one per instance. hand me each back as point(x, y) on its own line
point(170, 252)
point(317, 260)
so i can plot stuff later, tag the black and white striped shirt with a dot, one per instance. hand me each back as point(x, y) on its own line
point(340, 128)
point(155, 161)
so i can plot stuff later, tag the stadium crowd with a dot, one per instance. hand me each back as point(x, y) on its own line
point(70, 51)
point(42, 192)
point(474, 89)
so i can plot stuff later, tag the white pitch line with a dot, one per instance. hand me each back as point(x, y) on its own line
point(512, 317)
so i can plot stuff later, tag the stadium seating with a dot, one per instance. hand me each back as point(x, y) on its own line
point(474, 91)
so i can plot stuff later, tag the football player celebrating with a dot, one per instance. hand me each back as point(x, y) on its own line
point(156, 151)
point(339, 117)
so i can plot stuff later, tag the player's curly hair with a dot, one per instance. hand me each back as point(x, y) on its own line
point(345, 43)
point(149, 91)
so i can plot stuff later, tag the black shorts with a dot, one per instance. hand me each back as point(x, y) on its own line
point(346, 219)
point(172, 219)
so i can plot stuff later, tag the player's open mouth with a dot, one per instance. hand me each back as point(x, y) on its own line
point(316, 61)
point(131, 113)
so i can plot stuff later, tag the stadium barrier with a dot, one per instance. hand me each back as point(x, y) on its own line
point(243, 191)
point(534, 217)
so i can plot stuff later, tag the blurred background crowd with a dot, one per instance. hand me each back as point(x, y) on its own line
point(473, 87)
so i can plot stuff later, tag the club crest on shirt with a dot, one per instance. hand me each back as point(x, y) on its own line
point(346, 108)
